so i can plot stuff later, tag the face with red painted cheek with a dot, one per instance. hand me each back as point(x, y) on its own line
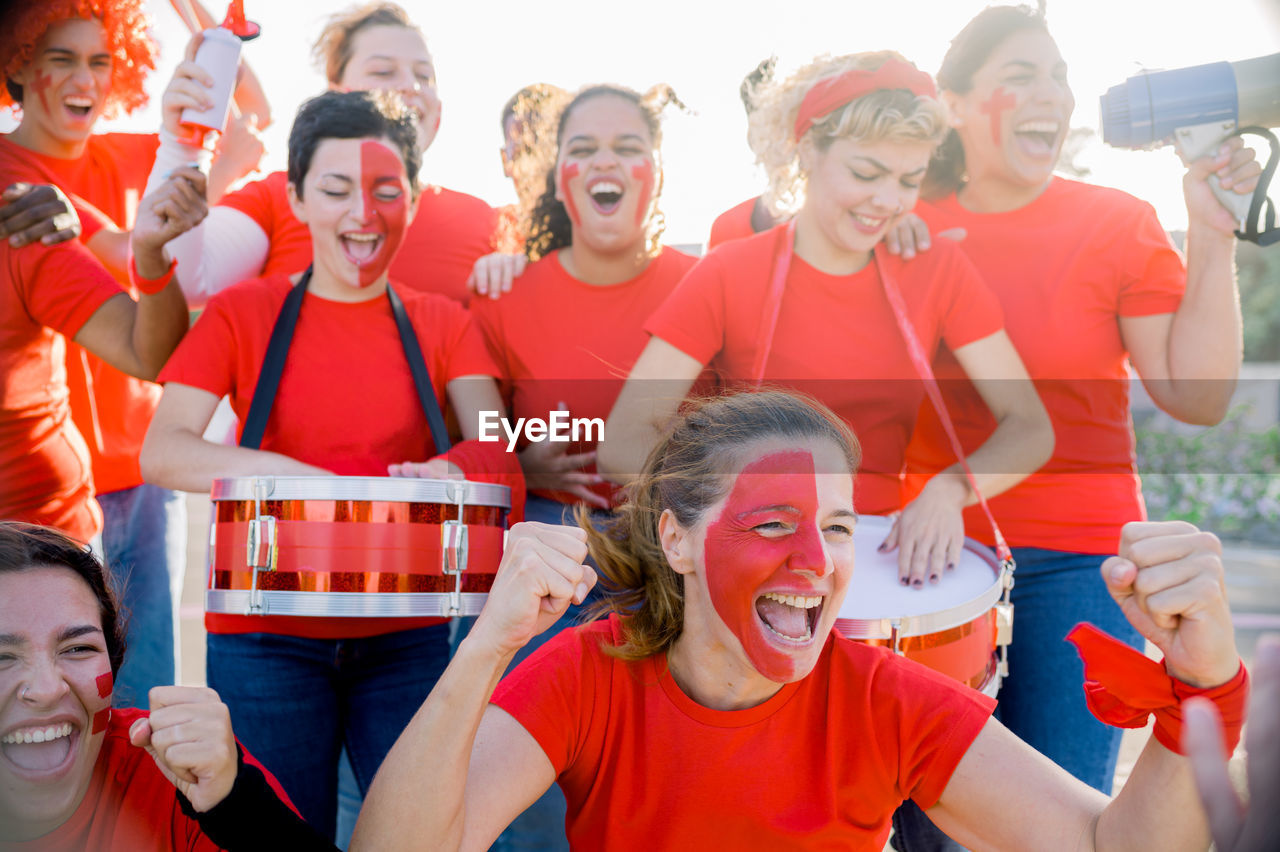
point(55, 684)
point(65, 87)
point(607, 173)
point(357, 204)
point(1015, 117)
point(778, 554)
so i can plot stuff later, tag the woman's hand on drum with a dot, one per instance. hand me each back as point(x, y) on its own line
point(1168, 580)
point(493, 274)
point(437, 468)
point(929, 532)
point(541, 574)
point(1236, 168)
point(189, 735)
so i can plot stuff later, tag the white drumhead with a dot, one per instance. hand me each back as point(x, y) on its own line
point(874, 592)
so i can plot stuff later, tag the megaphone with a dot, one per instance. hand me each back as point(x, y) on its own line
point(1196, 109)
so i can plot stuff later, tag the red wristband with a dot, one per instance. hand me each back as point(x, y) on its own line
point(150, 286)
point(1123, 687)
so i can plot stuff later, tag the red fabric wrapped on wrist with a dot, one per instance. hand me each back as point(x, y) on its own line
point(150, 286)
point(1123, 687)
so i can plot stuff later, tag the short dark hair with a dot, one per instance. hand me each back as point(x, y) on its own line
point(352, 115)
point(27, 546)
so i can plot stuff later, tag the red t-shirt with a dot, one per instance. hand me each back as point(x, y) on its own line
point(558, 339)
point(836, 338)
point(450, 231)
point(111, 409)
point(733, 224)
point(1065, 268)
point(346, 400)
point(46, 295)
point(821, 764)
point(129, 805)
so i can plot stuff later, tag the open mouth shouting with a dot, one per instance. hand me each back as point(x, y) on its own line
point(41, 751)
point(78, 107)
point(1038, 138)
point(790, 618)
point(605, 194)
point(361, 247)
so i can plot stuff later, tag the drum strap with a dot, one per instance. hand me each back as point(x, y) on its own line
point(264, 393)
point(919, 358)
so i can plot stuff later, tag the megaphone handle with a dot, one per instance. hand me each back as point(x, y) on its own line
point(1237, 205)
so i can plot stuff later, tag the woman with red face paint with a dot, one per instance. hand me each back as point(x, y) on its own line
point(77, 774)
point(254, 231)
point(1088, 281)
point(811, 305)
point(594, 238)
point(716, 708)
point(300, 688)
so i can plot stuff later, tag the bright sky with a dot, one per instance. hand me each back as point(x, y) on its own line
point(484, 51)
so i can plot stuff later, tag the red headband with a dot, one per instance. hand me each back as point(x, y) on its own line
point(832, 93)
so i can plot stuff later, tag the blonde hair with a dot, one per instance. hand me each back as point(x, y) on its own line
point(332, 50)
point(892, 114)
point(685, 474)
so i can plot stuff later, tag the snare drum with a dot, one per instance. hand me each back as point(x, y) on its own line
point(349, 546)
point(956, 627)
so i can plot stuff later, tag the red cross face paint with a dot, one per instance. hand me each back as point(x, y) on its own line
point(995, 107)
point(569, 171)
point(106, 684)
point(40, 83)
point(643, 173)
point(383, 212)
point(778, 557)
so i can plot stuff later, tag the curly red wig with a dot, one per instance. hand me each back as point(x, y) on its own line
point(133, 51)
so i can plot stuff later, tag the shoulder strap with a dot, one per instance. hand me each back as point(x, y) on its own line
point(264, 393)
point(920, 359)
point(421, 377)
point(783, 249)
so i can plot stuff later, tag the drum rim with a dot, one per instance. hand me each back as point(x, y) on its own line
point(389, 489)
point(923, 624)
point(343, 604)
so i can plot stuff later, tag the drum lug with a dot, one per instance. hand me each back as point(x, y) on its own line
point(1004, 623)
point(260, 542)
point(453, 546)
point(895, 635)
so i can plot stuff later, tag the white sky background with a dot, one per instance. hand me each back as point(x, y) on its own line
point(485, 51)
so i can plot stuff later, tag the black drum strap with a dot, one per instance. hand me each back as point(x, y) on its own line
point(421, 377)
point(264, 393)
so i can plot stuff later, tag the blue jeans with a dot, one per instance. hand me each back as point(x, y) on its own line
point(295, 703)
point(1042, 700)
point(144, 542)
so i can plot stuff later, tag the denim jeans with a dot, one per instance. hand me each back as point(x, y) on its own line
point(295, 703)
point(1041, 700)
point(144, 542)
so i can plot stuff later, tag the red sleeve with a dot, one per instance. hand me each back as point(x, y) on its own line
point(732, 224)
point(552, 693)
point(254, 200)
point(205, 358)
point(470, 355)
point(1153, 276)
point(937, 719)
point(973, 311)
point(692, 319)
point(92, 220)
point(61, 286)
point(488, 461)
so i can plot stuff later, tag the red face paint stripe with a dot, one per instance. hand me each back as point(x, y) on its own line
point(643, 172)
point(106, 683)
point(379, 165)
point(995, 107)
point(100, 720)
point(568, 171)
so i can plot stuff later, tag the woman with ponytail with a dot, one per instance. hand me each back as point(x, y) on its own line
point(715, 708)
point(811, 304)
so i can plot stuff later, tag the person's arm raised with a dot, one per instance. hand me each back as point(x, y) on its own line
point(462, 770)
